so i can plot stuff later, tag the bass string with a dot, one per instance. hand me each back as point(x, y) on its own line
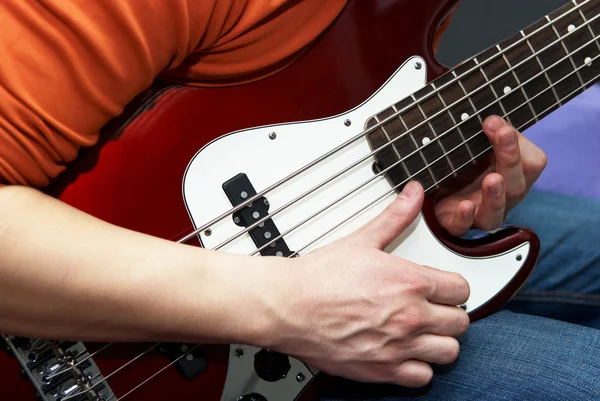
point(535, 117)
point(501, 53)
point(419, 149)
point(304, 247)
point(388, 192)
point(395, 164)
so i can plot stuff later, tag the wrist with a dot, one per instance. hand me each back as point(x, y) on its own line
point(243, 297)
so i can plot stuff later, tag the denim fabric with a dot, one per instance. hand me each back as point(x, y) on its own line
point(514, 355)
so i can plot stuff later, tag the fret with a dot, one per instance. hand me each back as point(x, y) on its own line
point(528, 69)
point(482, 96)
point(393, 146)
point(513, 100)
point(578, 40)
point(566, 52)
point(504, 114)
point(461, 111)
point(413, 166)
point(422, 135)
point(569, 75)
point(425, 139)
point(589, 27)
point(588, 12)
point(435, 134)
point(453, 123)
point(542, 66)
point(443, 126)
point(387, 156)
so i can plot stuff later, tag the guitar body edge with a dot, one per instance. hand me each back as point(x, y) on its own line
point(134, 180)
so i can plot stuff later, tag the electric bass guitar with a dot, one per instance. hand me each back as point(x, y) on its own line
point(284, 165)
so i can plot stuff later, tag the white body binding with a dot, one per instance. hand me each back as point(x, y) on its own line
point(266, 161)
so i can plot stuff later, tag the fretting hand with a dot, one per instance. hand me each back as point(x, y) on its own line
point(516, 165)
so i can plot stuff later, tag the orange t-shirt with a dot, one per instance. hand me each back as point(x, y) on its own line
point(69, 66)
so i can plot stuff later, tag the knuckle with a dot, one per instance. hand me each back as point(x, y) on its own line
point(541, 161)
point(414, 321)
point(517, 190)
point(421, 284)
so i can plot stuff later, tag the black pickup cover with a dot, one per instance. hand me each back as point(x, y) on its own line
point(239, 189)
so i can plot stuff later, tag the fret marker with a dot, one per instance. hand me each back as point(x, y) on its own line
point(426, 140)
point(588, 61)
point(507, 90)
point(571, 28)
point(464, 116)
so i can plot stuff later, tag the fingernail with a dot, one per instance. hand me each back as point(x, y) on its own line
point(494, 123)
point(410, 190)
point(508, 140)
point(496, 190)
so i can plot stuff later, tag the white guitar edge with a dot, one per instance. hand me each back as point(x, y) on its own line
point(266, 161)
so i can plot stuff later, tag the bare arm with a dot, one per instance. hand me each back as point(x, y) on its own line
point(65, 274)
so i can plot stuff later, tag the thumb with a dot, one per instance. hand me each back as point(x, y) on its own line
point(392, 221)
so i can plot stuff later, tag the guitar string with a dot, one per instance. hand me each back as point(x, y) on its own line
point(104, 379)
point(313, 241)
point(71, 367)
point(400, 161)
point(414, 152)
point(408, 132)
point(417, 150)
point(326, 155)
point(380, 173)
point(531, 120)
point(535, 117)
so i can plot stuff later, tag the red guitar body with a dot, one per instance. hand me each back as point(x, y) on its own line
point(143, 156)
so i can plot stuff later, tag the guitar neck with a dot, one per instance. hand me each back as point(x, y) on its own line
point(432, 134)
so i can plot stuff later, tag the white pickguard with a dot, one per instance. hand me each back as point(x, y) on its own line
point(266, 161)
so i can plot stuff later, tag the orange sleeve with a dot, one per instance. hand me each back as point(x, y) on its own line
point(69, 66)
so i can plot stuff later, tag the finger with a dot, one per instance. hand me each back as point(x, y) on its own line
point(459, 222)
point(493, 203)
point(533, 158)
point(446, 320)
point(390, 223)
point(448, 288)
point(507, 152)
point(413, 373)
point(436, 349)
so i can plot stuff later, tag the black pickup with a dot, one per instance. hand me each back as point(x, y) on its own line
point(239, 189)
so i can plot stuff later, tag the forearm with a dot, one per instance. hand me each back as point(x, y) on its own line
point(67, 275)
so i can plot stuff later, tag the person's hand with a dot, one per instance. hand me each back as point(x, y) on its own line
point(516, 165)
point(355, 311)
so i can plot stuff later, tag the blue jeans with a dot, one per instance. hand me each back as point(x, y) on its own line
point(545, 345)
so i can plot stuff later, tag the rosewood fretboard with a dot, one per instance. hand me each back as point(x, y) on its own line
point(435, 132)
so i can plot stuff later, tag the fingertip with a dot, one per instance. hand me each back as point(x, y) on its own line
point(493, 185)
point(414, 374)
point(493, 123)
point(463, 219)
point(412, 190)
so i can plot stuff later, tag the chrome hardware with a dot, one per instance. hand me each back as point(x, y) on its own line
point(272, 135)
point(208, 232)
point(347, 122)
point(300, 377)
point(59, 369)
point(418, 65)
